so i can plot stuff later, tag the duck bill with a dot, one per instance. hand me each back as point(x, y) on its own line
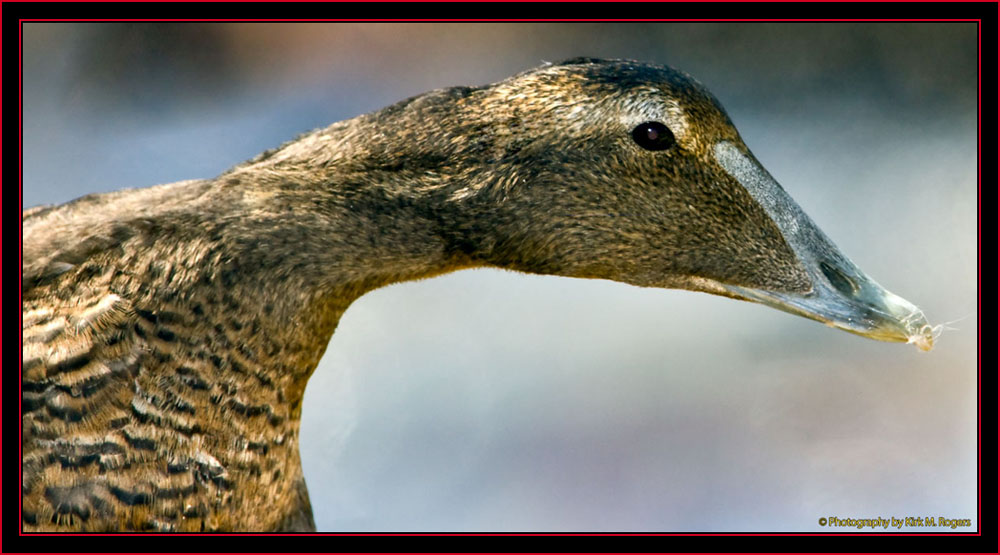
point(841, 296)
point(877, 314)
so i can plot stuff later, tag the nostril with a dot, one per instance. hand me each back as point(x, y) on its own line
point(840, 281)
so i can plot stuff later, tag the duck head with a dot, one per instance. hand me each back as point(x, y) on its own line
point(631, 172)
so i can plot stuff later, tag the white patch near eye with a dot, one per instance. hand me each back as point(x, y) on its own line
point(677, 119)
point(657, 107)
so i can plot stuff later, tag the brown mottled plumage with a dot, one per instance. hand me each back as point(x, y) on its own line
point(169, 332)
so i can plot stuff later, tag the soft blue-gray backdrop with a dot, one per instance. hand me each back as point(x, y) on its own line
point(490, 401)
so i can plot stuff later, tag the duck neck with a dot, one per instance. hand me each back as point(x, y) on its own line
point(304, 250)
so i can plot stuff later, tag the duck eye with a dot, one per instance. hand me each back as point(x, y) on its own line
point(653, 135)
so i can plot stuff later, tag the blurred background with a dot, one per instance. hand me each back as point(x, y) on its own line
point(493, 401)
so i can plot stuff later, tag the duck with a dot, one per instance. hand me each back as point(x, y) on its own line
point(168, 332)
